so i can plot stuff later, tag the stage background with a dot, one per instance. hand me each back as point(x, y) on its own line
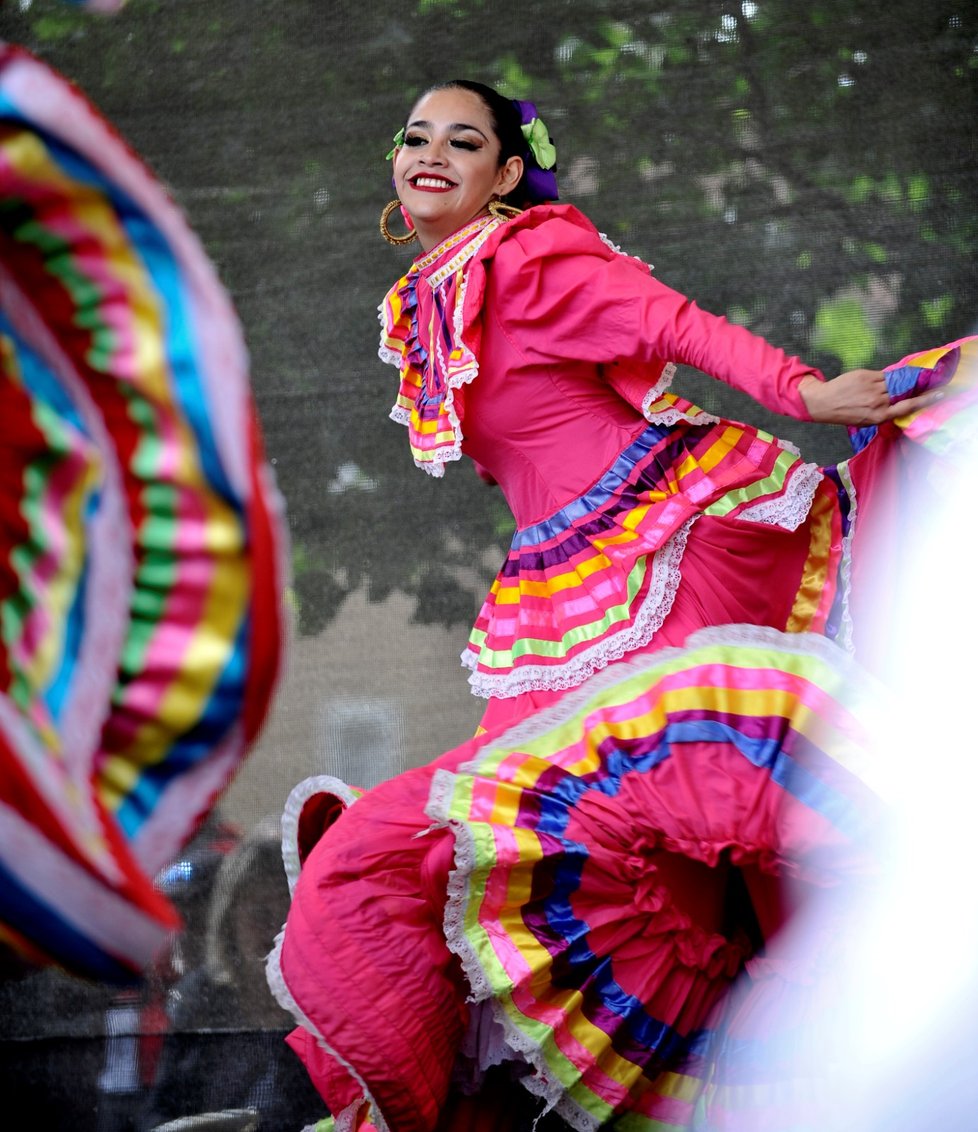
point(810, 170)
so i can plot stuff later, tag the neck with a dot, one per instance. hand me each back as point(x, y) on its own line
point(431, 235)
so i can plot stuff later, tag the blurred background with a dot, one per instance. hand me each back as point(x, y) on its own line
point(809, 170)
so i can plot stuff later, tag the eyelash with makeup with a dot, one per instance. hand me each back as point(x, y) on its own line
point(457, 143)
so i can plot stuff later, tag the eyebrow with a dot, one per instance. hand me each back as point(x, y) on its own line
point(452, 126)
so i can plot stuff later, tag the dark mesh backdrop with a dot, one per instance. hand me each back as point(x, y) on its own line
point(809, 169)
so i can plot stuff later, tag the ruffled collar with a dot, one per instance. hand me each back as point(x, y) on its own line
point(430, 376)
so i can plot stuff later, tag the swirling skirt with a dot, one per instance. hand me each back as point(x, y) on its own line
point(606, 896)
point(587, 856)
point(141, 542)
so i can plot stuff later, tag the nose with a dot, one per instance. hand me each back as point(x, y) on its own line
point(434, 152)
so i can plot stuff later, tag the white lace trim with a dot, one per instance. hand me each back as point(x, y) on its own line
point(435, 466)
point(846, 636)
point(543, 1083)
point(609, 243)
point(344, 1121)
point(298, 797)
point(666, 576)
point(672, 415)
point(384, 352)
point(790, 510)
point(439, 802)
point(665, 380)
point(732, 633)
point(513, 1039)
point(763, 636)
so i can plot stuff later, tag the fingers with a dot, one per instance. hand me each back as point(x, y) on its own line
point(860, 397)
point(913, 404)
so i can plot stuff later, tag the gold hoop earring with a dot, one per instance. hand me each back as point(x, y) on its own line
point(397, 241)
point(503, 211)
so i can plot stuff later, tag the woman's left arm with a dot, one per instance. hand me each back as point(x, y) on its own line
point(569, 296)
point(857, 397)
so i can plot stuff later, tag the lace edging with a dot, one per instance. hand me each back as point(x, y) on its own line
point(345, 1121)
point(609, 243)
point(790, 510)
point(653, 611)
point(439, 803)
point(664, 382)
point(542, 1083)
point(458, 893)
point(847, 628)
point(674, 416)
point(671, 415)
point(385, 353)
point(299, 795)
point(733, 633)
point(738, 633)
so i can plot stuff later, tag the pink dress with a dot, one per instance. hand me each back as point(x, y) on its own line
point(569, 870)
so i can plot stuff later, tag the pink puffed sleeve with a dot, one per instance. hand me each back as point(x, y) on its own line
point(571, 296)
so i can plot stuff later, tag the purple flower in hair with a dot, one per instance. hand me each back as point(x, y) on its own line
point(540, 158)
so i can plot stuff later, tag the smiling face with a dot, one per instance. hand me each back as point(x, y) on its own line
point(448, 169)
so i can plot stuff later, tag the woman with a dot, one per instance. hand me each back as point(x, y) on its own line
point(584, 855)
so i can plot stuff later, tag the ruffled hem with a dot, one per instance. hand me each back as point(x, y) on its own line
point(362, 1114)
point(609, 988)
point(310, 809)
point(599, 578)
point(533, 888)
point(648, 619)
point(788, 511)
point(662, 408)
point(689, 946)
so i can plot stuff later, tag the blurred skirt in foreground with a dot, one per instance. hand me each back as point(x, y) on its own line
point(141, 545)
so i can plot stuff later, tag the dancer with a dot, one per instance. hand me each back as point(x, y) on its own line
point(672, 717)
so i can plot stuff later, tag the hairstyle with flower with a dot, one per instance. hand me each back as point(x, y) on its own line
point(521, 133)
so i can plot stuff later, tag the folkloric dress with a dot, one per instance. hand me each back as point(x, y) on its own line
point(674, 713)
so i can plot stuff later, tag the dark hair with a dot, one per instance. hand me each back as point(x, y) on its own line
point(506, 121)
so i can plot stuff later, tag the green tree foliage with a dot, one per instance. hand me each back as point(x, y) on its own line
point(809, 169)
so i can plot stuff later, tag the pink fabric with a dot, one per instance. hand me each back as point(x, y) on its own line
point(732, 573)
point(659, 855)
point(567, 331)
point(398, 1009)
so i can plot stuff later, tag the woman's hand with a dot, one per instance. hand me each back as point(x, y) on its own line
point(858, 397)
